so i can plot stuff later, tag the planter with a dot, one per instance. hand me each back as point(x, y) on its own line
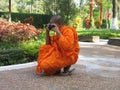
point(114, 41)
point(89, 38)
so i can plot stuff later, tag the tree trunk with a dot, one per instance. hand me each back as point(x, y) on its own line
point(9, 10)
point(91, 10)
point(101, 10)
point(114, 18)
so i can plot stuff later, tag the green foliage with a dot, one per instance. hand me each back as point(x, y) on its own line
point(66, 8)
point(104, 23)
point(31, 48)
point(119, 23)
point(4, 45)
point(11, 56)
point(96, 12)
point(21, 52)
point(84, 10)
point(76, 22)
point(98, 23)
point(39, 19)
point(10, 53)
point(28, 6)
point(87, 23)
point(3, 5)
point(103, 33)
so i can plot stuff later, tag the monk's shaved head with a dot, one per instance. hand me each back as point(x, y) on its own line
point(57, 19)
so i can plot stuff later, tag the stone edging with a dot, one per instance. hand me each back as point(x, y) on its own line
point(18, 66)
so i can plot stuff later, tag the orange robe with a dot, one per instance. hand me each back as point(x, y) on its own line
point(62, 52)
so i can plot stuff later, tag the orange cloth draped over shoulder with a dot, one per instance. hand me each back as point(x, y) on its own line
point(60, 53)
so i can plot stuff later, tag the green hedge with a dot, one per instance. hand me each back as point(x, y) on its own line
point(16, 56)
point(39, 19)
point(103, 33)
point(21, 52)
point(11, 56)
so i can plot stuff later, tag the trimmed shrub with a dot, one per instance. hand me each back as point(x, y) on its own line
point(103, 33)
point(11, 56)
point(39, 19)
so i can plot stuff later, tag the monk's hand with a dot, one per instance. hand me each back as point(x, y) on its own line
point(56, 29)
point(47, 29)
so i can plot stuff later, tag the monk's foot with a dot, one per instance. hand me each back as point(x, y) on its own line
point(66, 69)
point(68, 73)
point(42, 73)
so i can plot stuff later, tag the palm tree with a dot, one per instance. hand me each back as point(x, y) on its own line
point(114, 17)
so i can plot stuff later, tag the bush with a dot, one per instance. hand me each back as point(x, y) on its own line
point(11, 56)
point(39, 19)
point(14, 32)
point(103, 33)
point(17, 43)
point(87, 23)
point(20, 52)
point(31, 49)
point(76, 22)
point(98, 23)
point(104, 23)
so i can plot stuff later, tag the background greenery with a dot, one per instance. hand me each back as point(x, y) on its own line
point(21, 52)
point(39, 20)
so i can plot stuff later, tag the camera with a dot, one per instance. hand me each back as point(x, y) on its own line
point(50, 26)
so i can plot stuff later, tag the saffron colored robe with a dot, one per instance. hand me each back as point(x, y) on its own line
point(62, 52)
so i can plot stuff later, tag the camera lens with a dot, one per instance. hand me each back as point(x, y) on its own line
point(50, 26)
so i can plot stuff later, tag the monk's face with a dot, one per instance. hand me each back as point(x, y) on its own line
point(53, 22)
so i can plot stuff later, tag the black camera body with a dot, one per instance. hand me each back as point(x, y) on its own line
point(50, 26)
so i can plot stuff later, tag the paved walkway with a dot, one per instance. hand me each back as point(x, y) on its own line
point(98, 68)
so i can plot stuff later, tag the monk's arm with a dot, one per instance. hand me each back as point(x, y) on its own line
point(66, 40)
point(48, 37)
point(59, 33)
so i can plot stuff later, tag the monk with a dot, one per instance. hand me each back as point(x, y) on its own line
point(60, 50)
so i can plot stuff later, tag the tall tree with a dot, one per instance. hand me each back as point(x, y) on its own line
point(114, 18)
point(119, 10)
point(30, 3)
point(21, 6)
point(66, 8)
point(9, 10)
